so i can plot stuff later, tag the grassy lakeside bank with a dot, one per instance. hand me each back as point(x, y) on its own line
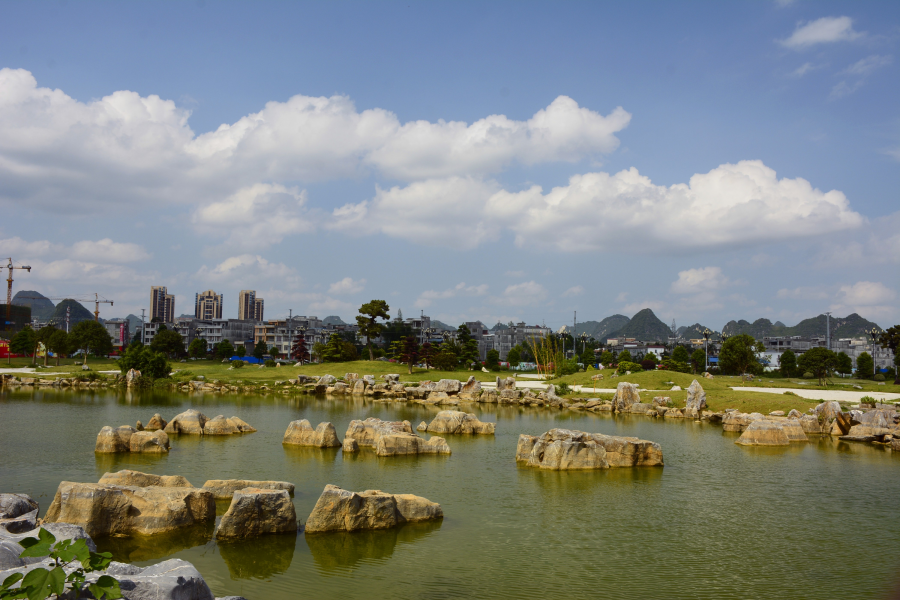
point(655, 383)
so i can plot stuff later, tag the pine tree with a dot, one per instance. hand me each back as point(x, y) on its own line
point(410, 353)
point(299, 351)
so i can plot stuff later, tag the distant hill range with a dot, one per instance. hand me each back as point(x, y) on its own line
point(78, 313)
point(600, 330)
point(441, 325)
point(334, 320)
point(850, 326)
point(41, 307)
point(695, 332)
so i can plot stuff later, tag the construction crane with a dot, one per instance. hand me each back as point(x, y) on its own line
point(9, 281)
point(97, 300)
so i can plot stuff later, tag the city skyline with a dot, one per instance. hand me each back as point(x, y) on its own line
point(603, 161)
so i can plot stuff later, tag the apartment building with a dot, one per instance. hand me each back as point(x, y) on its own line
point(162, 304)
point(118, 330)
point(250, 308)
point(208, 305)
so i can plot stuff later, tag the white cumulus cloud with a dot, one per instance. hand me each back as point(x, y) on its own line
point(529, 293)
point(693, 281)
point(347, 285)
point(822, 31)
point(428, 297)
point(249, 269)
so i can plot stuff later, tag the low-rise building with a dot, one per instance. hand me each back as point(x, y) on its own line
point(118, 330)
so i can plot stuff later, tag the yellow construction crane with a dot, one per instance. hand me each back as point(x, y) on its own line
point(97, 300)
point(9, 281)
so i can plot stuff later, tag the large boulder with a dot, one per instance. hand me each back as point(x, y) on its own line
point(18, 513)
point(359, 387)
point(149, 442)
point(563, 449)
point(326, 380)
point(114, 441)
point(626, 395)
point(241, 425)
point(448, 386)
point(301, 433)
point(223, 489)
point(738, 421)
point(830, 415)
point(190, 421)
point(127, 510)
point(341, 510)
point(138, 479)
point(454, 421)
point(793, 430)
point(255, 512)
point(366, 432)
point(219, 425)
point(132, 377)
point(508, 383)
point(400, 444)
point(471, 386)
point(876, 423)
point(156, 422)
point(696, 400)
point(764, 433)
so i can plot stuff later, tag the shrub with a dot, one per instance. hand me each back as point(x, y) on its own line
point(566, 367)
point(807, 375)
point(270, 363)
point(237, 364)
point(648, 364)
point(675, 365)
point(879, 377)
point(562, 389)
point(789, 393)
point(867, 400)
point(629, 366)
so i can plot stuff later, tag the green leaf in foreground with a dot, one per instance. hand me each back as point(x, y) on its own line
point(106, 587)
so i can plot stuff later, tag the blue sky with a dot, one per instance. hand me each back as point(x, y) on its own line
point(503, 161)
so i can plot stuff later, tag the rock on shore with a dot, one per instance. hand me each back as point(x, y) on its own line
point(224, 489)
point(18, 513)
point(454, 421)
point(255, 512)
point(301, 433)
point(696, 401)
point(126, 510)
point(341, 510)
point(626, 395)
point(565, 449)
point(764, 433)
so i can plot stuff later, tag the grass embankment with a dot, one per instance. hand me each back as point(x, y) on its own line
point(719, 394)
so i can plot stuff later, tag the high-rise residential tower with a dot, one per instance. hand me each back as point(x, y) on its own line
point(208, 305)
point(249, 306)
point(162, 304)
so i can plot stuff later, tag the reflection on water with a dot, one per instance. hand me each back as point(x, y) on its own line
point(259, 558)
point(152, 547)
point(303, 454)
point(341, 550)
point(138, 461)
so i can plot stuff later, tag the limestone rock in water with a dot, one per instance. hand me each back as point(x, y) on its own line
point(139, 426)
point(255, 511)
point(366, 432)
point(423, 426)
point(738, 421)
point(764, 433)
point(626, 395)
point(454, 421)
point(340, 510)
point(564, 449)
point(112, 441)
point(219, 425)
point(241, 425)
point(400, 444)
point(156, 422)
point(149, 442)
point(830, 414)
point(359, 387)
point(448, 386)
point(895, 444)
point(138, 479)
point(190, 421)
point(793, 430)
point(127, 510)
point(349, 446)
point(696, 400)
point(18, 513)
point(471, 386)
point(301, 433)
point(876, 423)
point(223, 489)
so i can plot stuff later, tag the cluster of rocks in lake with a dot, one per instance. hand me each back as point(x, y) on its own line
point(565, 449)
point(172, 579)
point(341, 510)
point(153, 438)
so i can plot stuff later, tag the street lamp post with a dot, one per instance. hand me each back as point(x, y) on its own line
point(706, 334)
point(584, 336)
point(874, 332)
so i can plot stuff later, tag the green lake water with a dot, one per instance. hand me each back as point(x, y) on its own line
point(814, 520)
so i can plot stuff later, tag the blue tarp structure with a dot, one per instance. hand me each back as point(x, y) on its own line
point(248, 359)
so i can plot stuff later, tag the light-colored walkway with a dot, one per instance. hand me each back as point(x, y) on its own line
point(839, 395)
